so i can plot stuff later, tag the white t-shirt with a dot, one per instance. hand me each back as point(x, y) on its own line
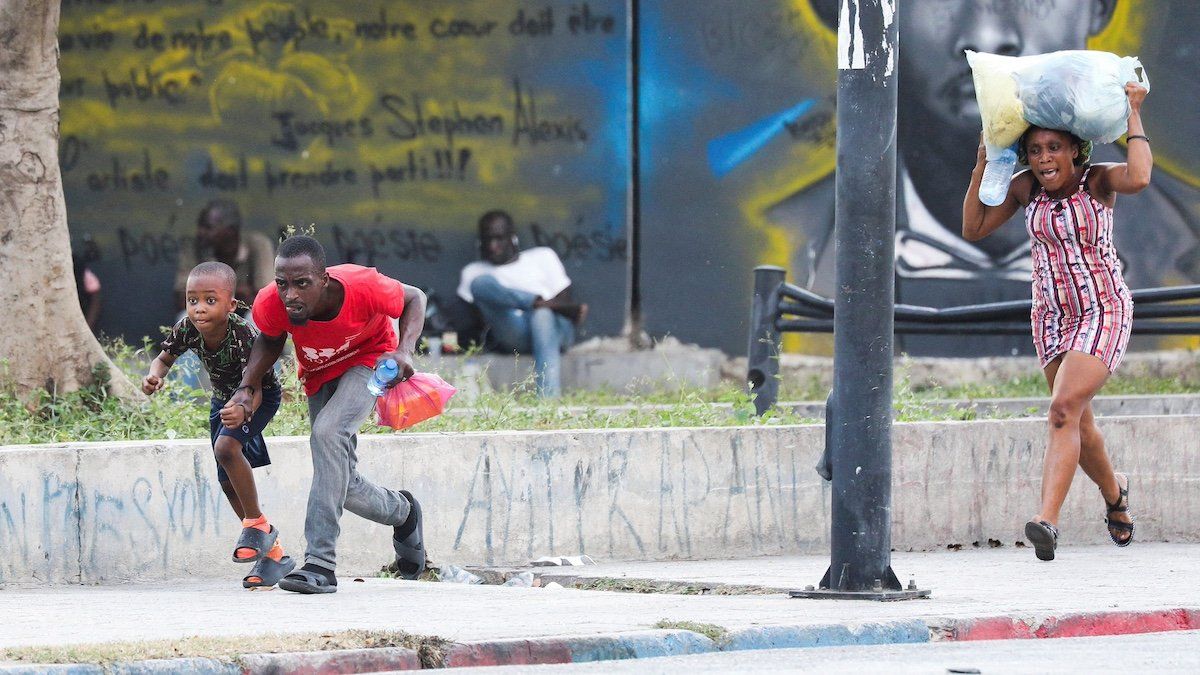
point(537, 270)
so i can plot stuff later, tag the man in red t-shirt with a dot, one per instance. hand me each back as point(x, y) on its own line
point(340, 322)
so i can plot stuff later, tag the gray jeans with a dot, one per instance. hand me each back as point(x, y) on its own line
point(337, 410)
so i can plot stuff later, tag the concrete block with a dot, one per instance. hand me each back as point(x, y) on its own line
point(651, 493)
point(594, 365)
point(962, 483)
point(39, 515)
point(96, 513)
point(148, 508)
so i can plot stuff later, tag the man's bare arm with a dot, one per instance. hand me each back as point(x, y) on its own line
point(412, 322)
point(263, 355)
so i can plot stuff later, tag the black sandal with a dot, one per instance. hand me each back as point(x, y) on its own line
point(267, 572)
point(1119, 506)
point(409, 545)
point(256, 540)
point(308, 582)
point(1044, 538)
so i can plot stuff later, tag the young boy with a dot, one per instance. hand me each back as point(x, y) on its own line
point(222, 340)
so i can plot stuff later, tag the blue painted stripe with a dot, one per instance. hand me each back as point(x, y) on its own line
point(831, 635)
point(726, 152)
point(194, 666)
point(54, 669)
point(642, 645)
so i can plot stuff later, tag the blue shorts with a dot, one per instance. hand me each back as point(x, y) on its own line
point(254, 446)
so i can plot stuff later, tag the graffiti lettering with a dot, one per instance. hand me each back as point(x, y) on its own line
point(121, 178)
point(328, 177)
point(199, 40)
point(540, 24)
point(577, 245)
point(735, 33)
point(150, 248)
point(447, 164)
point(225, 181)
point(454, 28)
point(86, 40)
point(384, 29)
point(68, 3)
point(411, 120)
point(289, 30)
point(817, 128)
point(582, 20)
point(292, 131)
point(527, 125)
point(367, 246)
point(147, 86)
point(71, 87)
point(69, 152)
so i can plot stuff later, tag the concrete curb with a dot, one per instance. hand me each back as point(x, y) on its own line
point(632, 645)
point(332, 662)
point(653, 643)
point(832, 635)
point(1066, 625)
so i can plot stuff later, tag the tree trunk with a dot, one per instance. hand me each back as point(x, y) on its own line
point(45, 342)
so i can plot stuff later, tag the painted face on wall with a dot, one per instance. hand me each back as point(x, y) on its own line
point(935, 79)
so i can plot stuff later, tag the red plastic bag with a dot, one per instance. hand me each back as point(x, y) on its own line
point(420, 397)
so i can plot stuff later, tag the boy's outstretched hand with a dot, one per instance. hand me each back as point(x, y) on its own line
point(151, 384)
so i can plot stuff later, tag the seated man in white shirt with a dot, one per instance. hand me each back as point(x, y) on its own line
point(525, 298)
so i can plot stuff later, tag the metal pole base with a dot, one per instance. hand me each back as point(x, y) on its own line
point(879, 596)
point(884, 590)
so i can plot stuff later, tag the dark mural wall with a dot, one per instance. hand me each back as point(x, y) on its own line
point(737, 153)
point(392, 125)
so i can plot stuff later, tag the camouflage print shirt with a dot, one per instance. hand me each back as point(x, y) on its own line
point(225, 364)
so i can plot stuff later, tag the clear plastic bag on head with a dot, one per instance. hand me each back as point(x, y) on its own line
point(420, 397)
point(1082, 92)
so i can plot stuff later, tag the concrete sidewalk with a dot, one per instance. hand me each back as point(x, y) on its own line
point(977, 594)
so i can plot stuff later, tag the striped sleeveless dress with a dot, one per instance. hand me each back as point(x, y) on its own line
point(1080, 300)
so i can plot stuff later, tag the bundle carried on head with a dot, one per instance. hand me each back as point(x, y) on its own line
point(1082, 92)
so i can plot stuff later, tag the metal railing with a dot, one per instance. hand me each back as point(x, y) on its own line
point(775, 301)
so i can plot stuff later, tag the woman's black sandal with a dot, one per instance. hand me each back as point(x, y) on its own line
point(1044, 538)
point(1116, 527)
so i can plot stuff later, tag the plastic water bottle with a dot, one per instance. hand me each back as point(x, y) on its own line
point(457, 575)
point(997, 174)
point(384, 374)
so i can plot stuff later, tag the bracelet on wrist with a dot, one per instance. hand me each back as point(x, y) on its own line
point(1131, 137)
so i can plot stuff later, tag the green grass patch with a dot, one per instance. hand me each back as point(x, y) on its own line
point(429, 649)
point(178, 412)
point(711, 631)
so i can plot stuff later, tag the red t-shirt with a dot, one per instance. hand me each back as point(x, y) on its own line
point(360, 332)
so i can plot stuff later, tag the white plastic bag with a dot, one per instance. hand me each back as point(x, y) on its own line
point(999, 100)
point(1079, 91)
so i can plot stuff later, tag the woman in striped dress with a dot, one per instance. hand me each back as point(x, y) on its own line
point(1082, 312)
